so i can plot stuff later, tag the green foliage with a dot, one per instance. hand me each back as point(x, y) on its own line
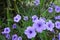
point(9, 8)
point(2, 37)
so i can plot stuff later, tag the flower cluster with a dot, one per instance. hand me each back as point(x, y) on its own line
point(57, 17)
point(15, 37)
point(6, 32)
point(7, 35)
point(55, 7)
point(39, 25)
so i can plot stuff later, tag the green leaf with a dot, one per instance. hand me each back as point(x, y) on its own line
point(2, 37)
point(43, 35)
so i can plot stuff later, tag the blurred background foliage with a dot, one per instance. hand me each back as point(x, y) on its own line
point(9, 8)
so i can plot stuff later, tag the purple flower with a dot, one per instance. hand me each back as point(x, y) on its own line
point(57, 24)
point(34, 18)
point(6, 30)
point(53, 31)
point(57, 9)
point(57, 17)
point(52, 4)
point(39, 25)
point(37, 2)
point(7, 36)
point(17, 18)
point(30, 32)
point(53, 39)
point(42, 19)
point(25, 18)
point(50, 25)
point(19, 38)
point(50, 9)
point(59, 36)
point(14, 26)
point(14, 37)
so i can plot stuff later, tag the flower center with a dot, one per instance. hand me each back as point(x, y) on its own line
point(14, 37)
point(6, 29)
point(48, 25)
point(57, 8)
point(16, 18)
point(30, 32)
point(58, 24)
point(34, 19)
point(39, 25)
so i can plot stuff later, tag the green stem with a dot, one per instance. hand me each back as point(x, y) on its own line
point(8, 3)
point(8, 14)
point(16, 7)
point(45, 36)
point(0, 21)
point(32, 39)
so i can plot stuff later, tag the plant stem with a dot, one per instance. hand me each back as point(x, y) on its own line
point(8, 14)
point(16, 8)
point(45, 36)
point(32, 39)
